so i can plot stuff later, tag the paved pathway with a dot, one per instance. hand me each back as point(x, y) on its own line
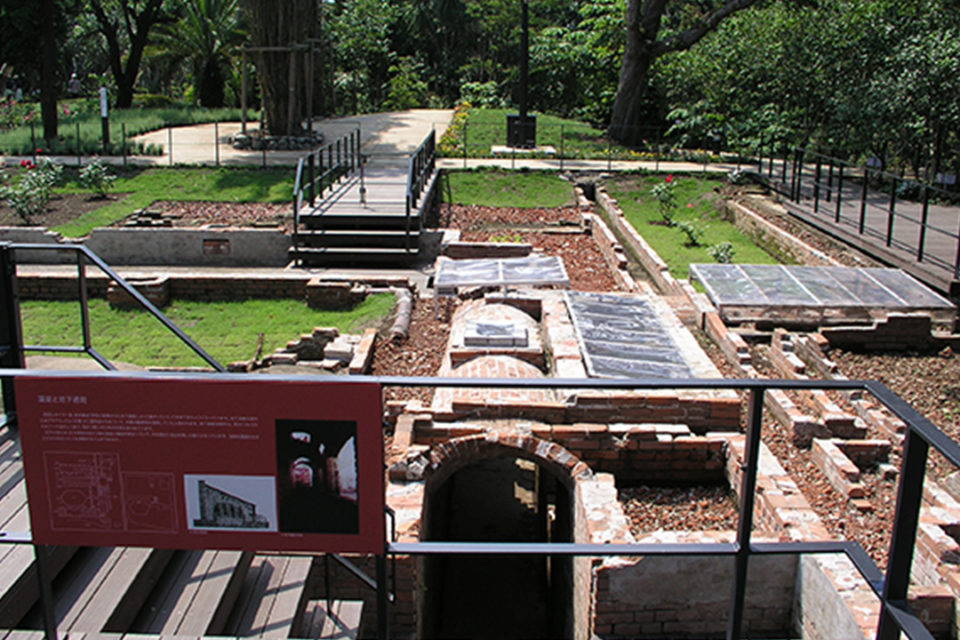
point(935, 265)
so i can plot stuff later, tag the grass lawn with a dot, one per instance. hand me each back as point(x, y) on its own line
point(20, 141)
point(521, 189)
point(699, 205)
point(149, 185)
point(226, 330)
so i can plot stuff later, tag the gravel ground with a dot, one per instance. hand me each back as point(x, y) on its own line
point(929, 382)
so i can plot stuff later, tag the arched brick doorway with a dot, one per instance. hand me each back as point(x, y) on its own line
point(499, 488)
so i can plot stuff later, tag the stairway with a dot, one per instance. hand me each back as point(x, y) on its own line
point(371, 217)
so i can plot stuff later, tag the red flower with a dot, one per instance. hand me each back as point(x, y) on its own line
point(669, 179)
point(23, 163)
point(39, 151)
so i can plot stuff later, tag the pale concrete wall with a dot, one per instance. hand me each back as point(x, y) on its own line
point(191, 247)
point(37, 235)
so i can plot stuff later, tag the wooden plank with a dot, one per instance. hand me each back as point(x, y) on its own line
point(198, 593)
point(339, 621)
point(107, 588)
point(271, 603)
point(18, 582)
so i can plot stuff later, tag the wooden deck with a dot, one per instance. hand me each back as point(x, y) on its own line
point(126, 593)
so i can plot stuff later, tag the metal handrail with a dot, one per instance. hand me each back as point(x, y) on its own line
point(420, 167)
point(314, 177)
point(83, 253)
point(890, 587)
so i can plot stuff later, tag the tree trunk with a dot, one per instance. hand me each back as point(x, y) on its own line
point(281, 25)
point(629, 103)
point(48, 72)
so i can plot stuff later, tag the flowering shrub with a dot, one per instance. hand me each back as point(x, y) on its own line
point(451, 139)
point(31, 193)
point(665, 195)
point(97, 177)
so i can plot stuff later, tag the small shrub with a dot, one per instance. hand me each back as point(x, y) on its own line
point(31, 193)
point(722, 253)
point(514, 237)
point(694, 233)
point(665, 195)
point(97, 177)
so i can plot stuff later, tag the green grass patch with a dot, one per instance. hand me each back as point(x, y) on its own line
point(195, 184)
point(698, 205)
point(521, 189)
point(482, 129)
point(23, 140)
point(226, 330)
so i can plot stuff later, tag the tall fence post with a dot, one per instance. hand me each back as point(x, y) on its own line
point(891, 211)
point(829, 178)
point(170, 145)
point(797, 174)
point(320, 170)
point(45, 584)
point(863, 199)
point(923, 222)
point(311, 192)
point(817, 176)
point(839, 191)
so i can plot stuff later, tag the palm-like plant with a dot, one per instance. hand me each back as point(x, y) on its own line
point(206, 36)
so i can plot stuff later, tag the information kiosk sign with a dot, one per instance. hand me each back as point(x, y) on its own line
point(197, 463)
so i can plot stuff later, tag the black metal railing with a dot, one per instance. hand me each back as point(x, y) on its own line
point(901, 213)
point(84, 257)
point(420, 168)
point(890, 587)
point(321, 170)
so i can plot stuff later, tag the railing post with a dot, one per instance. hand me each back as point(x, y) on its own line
point(82, 297)
point(830, 179)
point(817, 175)
point(383, 631)
point(797, 174)
point(311, 193)
point(783, 177)
point(320, 171)
point(11, 335)
point(863, 199)
point(902, 540)
point(923, 222)
point(748, 485)
point(890, 212)
point(839, 191)
point(339, 161)
point(45, 584)
point(330, 166)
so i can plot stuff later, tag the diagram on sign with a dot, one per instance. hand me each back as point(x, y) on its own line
point(150, 501)
point(85, 491)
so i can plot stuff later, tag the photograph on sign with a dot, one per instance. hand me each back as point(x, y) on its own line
point(239, 463)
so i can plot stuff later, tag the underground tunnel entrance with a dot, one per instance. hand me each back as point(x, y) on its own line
point(503, 499)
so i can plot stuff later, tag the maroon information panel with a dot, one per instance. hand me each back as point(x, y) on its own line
point(201, 463)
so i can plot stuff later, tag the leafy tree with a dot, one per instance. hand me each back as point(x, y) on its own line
point(125, 26)
point(648, 38)
point(363, 55)
point(206, 35)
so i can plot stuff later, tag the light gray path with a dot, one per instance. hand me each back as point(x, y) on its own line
point(894, 235)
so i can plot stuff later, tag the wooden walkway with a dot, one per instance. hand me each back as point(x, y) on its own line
point(119, 592)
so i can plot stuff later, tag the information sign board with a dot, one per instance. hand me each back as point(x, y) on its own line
point(201, 463)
